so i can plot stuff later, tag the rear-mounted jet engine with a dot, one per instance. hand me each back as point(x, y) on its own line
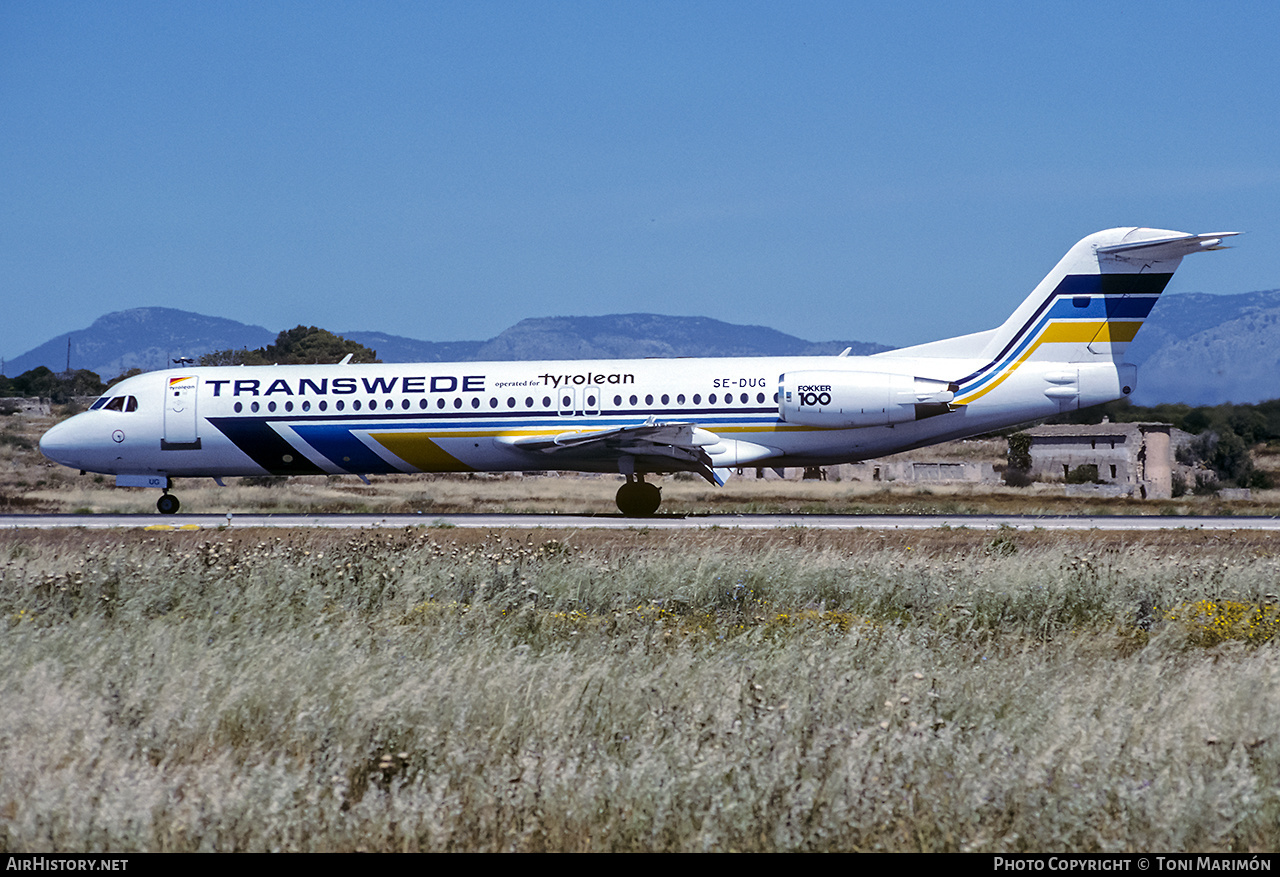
point(849, 400)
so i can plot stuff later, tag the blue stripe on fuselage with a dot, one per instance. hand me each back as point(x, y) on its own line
point(341, 448)
point(1127, 294)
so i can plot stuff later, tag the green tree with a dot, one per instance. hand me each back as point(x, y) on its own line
point(1230, 458)
point(298, 346)
point(1019, 456)
point(129, 374)
point(42, 381)
point(1085, 473)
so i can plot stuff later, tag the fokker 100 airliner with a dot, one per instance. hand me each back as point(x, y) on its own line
point(1062, 349)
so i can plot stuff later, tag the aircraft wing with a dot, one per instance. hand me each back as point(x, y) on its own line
point(672, 440)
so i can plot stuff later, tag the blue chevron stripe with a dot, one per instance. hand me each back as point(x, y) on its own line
point(1084, 297)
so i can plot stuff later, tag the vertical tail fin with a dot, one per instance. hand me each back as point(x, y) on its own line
point(1090, 305)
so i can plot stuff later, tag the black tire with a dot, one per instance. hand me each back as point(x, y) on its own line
point(638, 499)
point(168, 504)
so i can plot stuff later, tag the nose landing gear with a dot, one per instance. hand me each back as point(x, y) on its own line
point(637, 498)
point(168, 504)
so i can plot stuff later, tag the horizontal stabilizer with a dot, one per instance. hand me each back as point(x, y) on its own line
point(1160, 249)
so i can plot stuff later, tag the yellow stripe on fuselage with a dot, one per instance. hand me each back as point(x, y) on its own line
point(420, 451)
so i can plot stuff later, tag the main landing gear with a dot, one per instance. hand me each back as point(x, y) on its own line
point(637, 498)
point(168, 504)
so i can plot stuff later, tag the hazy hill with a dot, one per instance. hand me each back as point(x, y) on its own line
point(1208, 349)
point(145, 338)
point(396, 348)
point(617, 336)
point(149, 338)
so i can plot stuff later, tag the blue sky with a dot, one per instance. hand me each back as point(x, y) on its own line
point(883, 172)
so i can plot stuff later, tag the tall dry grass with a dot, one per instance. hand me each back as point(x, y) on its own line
point(440, 690)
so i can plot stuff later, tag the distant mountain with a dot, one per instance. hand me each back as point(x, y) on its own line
point(145, 338)
point(394, 348)
point(1208, 349)
point(1195, 348)
point(618, 336)
point(149, 338)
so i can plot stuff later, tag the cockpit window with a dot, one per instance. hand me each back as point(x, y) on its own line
point(119, 403)
point(96, 405)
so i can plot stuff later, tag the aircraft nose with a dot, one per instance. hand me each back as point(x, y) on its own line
point(59, 444)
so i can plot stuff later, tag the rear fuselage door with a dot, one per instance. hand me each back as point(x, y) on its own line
point(180, 429)
point(573, 400)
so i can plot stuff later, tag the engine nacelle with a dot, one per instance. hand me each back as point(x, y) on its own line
point(849, 400)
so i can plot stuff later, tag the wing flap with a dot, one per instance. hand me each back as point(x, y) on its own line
point(684, 444)
point(650, 432)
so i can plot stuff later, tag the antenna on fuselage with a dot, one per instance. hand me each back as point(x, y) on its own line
point(345, 360)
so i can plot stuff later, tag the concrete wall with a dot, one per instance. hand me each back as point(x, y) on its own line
point(959, 472)
point(25, 405)
point(1158, 464)
point(1051, 459)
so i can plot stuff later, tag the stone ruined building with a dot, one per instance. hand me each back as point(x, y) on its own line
point(1137, 458)
point(25, 405)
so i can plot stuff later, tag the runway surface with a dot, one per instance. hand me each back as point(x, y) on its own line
point(658, 522)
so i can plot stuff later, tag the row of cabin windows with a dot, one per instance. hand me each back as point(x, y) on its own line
point(566, 402)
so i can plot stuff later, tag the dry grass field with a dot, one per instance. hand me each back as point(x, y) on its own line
point(454, 690)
